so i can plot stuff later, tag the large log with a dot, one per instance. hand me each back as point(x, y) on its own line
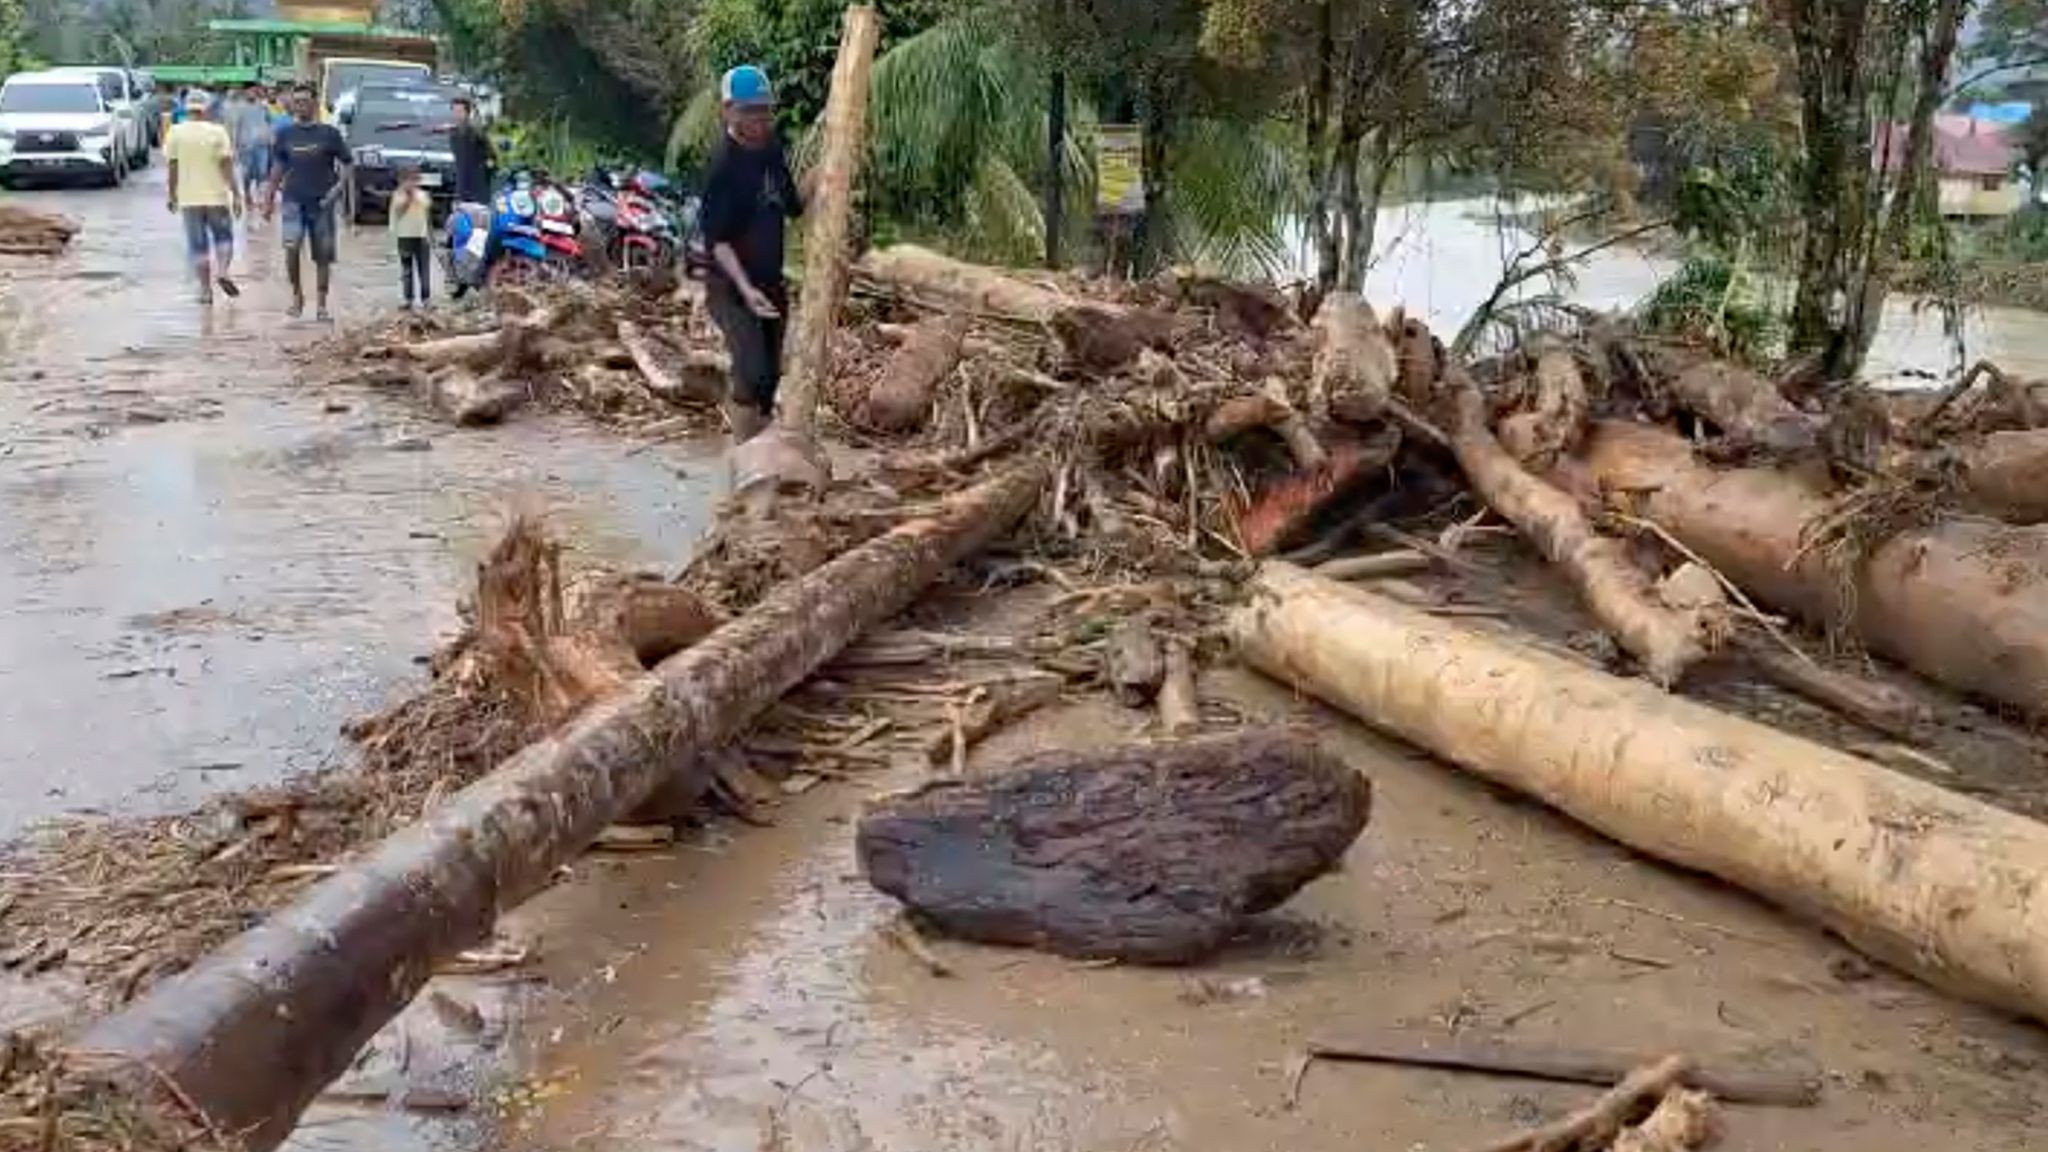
point(901, 398)
point(1964, 601)
point(830, 215)
point(1745, 407)
point(252, 1033)
point(2005, 474)
point(1925, 879)
point(1620, 596)
point(1042, 854)
point(942, 282)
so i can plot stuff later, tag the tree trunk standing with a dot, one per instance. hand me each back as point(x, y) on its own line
point(250, 1035)
point(1056, 148)
point(1320, 233)
point(1343, 188)
point(826, 260)
point(1937, 51)
point(1828, 39)
point(1154, 241)
point(1361, 231)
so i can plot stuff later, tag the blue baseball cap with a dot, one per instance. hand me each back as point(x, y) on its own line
point(746, 84)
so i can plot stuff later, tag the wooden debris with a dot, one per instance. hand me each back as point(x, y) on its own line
point(1355, 366)
point(1134, 663)
point(1816, 830)
point(1233, 826)
point(1179, 708)
point(1378, 566)
point(901, 397)
point(1614, 589)
point(1684, 1120)
point(1596, 1125)
point(993, 707)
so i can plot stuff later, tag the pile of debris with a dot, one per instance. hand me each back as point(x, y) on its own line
point(634, 360)
point(27, 232)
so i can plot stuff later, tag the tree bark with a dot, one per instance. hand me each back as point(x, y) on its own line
point(830, 212)
point(1363, 213)
point(1964, 601)
point(1744, 407)
point(937, 281)
point(1355, 368)
point(1322, 234)
point(1617, 592)
point(1829, 41)
point(1920, 877)
point(1231, 827)
point(1937, 49)
point(901, 397)
point(2005, 474)
point(1056, 149)
point(253, 1032)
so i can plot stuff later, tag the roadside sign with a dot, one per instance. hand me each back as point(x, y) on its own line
point(1119, 170)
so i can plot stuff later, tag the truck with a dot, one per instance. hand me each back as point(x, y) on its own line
point(335, 47)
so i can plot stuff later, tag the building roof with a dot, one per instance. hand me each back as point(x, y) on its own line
point(1963, 146)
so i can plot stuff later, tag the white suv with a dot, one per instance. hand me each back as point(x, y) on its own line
point(58, 125)
point(122, 92)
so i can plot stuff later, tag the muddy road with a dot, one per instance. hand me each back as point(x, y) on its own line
point(206, 568)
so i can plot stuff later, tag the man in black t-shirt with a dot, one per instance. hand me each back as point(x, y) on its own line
point(748, 195)
point(309, 162)
point(474, 156)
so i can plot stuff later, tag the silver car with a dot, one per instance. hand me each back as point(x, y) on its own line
point(59, 126)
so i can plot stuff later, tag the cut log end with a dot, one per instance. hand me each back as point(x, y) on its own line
point(1038, 855)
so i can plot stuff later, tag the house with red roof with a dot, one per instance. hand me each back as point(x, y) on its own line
point(1973, 165)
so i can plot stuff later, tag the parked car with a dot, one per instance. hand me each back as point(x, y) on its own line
point(59, 126)
point(125, 97)
point(395, 126)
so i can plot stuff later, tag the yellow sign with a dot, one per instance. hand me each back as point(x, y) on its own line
point(1119, 169)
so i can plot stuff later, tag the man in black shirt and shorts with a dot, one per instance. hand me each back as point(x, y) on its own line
point(309, 161)
point(748, 195)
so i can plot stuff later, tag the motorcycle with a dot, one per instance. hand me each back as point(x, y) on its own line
point(629, 219)
point(528, 232)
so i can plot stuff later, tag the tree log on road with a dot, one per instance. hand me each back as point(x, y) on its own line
point(1918, 876)
point(1617, 592)
point(1041, 854)
point(253, 1032)
point(1963, 600)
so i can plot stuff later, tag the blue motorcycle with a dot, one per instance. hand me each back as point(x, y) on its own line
point(528, 232)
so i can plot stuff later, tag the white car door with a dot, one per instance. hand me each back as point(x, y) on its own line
point(114, 93)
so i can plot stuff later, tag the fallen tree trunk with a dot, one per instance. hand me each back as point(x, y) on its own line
point(1555, 421)
point(1924, 879)
point(901, 398)
point(703, 379)
point(1617, 592)
point(251, 1034)
point(1232, 827)
point(1963, 601)
point(1745, 407)
point(2005, 475)
point(950, 285)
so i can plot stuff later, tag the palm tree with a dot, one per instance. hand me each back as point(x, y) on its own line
point(959, 114)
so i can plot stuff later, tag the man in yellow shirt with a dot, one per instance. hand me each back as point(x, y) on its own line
point(205, 192)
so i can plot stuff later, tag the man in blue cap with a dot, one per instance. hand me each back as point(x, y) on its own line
point(749, 194)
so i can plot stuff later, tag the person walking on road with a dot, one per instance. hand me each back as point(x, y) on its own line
point(248, 124)
point(410, 218)
point(749, 194)
point(205, 193)
point(310, 164)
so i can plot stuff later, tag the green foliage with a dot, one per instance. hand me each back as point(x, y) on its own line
point(14, 54)
point(2023, 236)
point(1712, 298)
